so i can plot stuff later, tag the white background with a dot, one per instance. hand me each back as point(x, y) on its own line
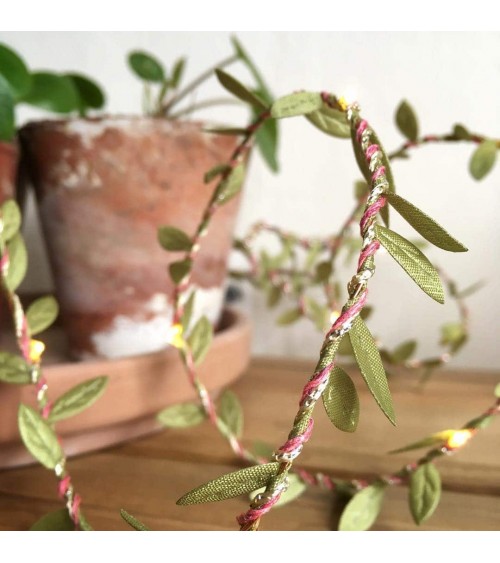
point(448, 77)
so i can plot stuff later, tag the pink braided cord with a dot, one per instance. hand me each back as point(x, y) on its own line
point(293, 443)
point(253, 514)
point(370, 151)
point(367, 252)
point(379, 172)
point(359, 131)
point(349, 313)
point(315, 381)
point(371, 211)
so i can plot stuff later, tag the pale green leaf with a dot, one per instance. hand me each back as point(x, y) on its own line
point(245, 58)
point(496, 391)
point(295, 489)
point(424, 225)
point(232, 484)
point(370, 364)
point(262, 450)
point(413, 261)
point(172, 238)
point(323, 271)
point(11, 216)
point(362, 510)
point(18, 262)
point(453, 335)
point(483, 159)
point(424, 492)
point(230, 413)
point(42, 313)
point(231, 185)
point(299, 103)
point(57, 521)
point(331, 121)
point(38, 437)
point(266, 140)
point(237, 89)
point(404, 351)
point(14, 369)
point(341, 401)
point(133, 522)
point(217, 170)
point(429, 441)
point(200, 339)
point(183, 415)
point(290, 316)
point(78, 398)
point(274, 295)
point(187, 311)
point(407, 121)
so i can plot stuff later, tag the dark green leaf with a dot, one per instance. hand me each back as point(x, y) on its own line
point(323, 271)
point(230, 414)
point(42, 313)
point(231, 485)
point(362, 510)
point(299, 103)
point(133, 522)
point(14, 369)
point(89, 92)
point(184, 415)
point(187, 311)
point(57, 521)
point(18, 262)
point(39, 438)
point(178, 72)
point(331, 121)
point(406, 121)
point(7, 119)
point(266, 139)
point(172, 238)
point(200, 339)
point(289, 316)
point(53, 92)
point(411, 259)
point(11, 216)
point(460, 132)
point(341, 401)
point(216, 171)
point(179, 270)
point(15, 71)
point(295, 489)
point(231, 185)
point(78, 398)
point(361, 189)
point(146, 66)
point(237, 89)
point(433, 440)
point(483, 159)
point(404, 351)
point(243, 55)
point(425, 492)
point(370, 364)
point(424, 225)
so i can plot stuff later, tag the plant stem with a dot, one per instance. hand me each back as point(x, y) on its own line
point(205, 104)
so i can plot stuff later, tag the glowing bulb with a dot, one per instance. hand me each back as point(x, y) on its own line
point(37, 348)
point(334, 315)
point(459, 439)
point(342, 103)
point(175, 336)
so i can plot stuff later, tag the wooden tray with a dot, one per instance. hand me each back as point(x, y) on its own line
point(138, 388)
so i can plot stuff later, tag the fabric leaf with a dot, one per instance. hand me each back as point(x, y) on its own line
point(200, 339)
point(299, 103)
point(182, 415)
point(483, 159)
point(133, 522)
point(331, 121)
point(230, 414)
point(42, 313)
point(362, 510)
point(57, 521)
point(14, 369)
point(78, 398)
point(406, 120)
point(341, 401)
point(11, 216)
point(237, 89)
point(424, 492)
point(172, 238)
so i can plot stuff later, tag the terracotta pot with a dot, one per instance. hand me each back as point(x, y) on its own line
point(103, 188)
point(8, 168)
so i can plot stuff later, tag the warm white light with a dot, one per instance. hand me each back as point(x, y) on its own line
point(459, 439)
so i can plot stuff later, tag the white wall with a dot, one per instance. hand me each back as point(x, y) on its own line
point(448, 77)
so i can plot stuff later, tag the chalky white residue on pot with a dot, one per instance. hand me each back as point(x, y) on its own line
point(142, 334)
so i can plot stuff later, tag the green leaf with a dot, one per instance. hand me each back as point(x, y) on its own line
point(78, 399)
point(341, 401)
point(361, 189)
point(38, 437)
point(290, 316)
point(480, 422)
point(42, 313)
point(146, 66)
point(179, 270)
point(461, 132)
point(406, 120)
point(424, 492)
point(295, 489)
point(14, 71)
point(370, 364)
point(231, 485)
point(18, 262)
point(345, 347)
point(7, 118)
point(263, 450)
point(404, 351)
point(200, 339)
point(59, 521)
point(231, 185)
point(217, 170)
point(11, 216)
point(323, 271)
point(483, 159)
point(331, 121)
point(496, 391)
point(362, 510)
point(424, 225)
point(230, 413)
point(318, 313)
point(470, 290)
point(89, 92)
point(183, 415)
point(133, 522)
point(453, 335)
point(53, 92)
point(187, 311)
point(247, 61)
point(413, 261)
point(178, 72)
point(299, 103)
point(14, 369)
point(237, 89)
point(266, 139)
point(429, 441)
point(274, 295)
point(174, 239)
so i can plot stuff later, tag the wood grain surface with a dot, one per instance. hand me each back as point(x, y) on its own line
point(146, 476)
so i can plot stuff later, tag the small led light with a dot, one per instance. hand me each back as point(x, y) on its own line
point(37, 348)
point(175, 336)
point(334, 315)
point(458, 439)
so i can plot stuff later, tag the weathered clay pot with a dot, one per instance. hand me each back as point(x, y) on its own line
point(103, 188)
point(8, 168)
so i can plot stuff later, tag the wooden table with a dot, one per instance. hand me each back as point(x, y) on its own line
point(147, 475)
